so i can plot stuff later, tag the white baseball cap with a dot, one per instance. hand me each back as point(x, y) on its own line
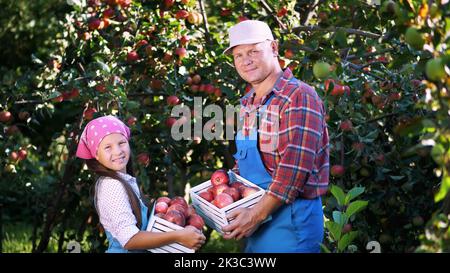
point(248, 32)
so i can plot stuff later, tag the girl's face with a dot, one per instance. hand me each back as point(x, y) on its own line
point(114, 152)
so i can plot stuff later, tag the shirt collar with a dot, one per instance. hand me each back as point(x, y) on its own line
point(279, 85)
point(126, 176)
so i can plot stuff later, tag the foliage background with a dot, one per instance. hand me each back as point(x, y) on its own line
point(54, 67)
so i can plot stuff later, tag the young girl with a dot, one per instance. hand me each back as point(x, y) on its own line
point(104, 145)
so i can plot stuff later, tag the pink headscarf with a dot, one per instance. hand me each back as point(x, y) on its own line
point(95, 131)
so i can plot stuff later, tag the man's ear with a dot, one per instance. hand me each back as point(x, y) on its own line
point(274, 47)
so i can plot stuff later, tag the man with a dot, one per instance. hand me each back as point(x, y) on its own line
point(294, 167)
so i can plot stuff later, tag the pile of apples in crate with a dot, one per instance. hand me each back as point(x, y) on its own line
point(223, 193)
point(177, 211)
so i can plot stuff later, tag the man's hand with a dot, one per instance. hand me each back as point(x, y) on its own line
point(247, 220)
point(244, 224)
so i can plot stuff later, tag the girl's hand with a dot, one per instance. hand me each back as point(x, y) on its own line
point(191, 238)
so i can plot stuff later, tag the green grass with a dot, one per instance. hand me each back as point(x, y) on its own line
point(17, 239)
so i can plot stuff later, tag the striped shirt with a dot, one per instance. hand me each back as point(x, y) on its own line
point(293, 138)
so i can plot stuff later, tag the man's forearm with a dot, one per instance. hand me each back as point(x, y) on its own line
point(266, 206)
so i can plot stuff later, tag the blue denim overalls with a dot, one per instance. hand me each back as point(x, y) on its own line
point(296, 227)
point(114, 245)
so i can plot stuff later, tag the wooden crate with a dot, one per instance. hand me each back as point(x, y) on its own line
point(215, 217)
point(157, 224)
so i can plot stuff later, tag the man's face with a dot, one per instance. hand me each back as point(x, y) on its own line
point(255, 62)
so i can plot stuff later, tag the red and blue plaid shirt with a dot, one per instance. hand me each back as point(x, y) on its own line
point(298, 159)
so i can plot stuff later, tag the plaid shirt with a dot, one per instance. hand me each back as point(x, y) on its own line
point(293, 138)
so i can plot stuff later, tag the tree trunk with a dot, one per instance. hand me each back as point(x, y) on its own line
point(56, 202)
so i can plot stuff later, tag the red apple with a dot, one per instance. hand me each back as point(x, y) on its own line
point(233, 192)
point(208, 196)
point(131, 121)
point(219, 177)
point(173, 100)
point(289, 54)
point(95, 23)
point(282, 12)
point(124, 3)
point(216, 190)
point(225, 12)
point(347, 228)
point(222, 200)
point(170, 121)
point(184, 40)
point(156, 84)
point(74, 93)
point(161, 207)
point(246, 191)
point(13, 156)
point(175, 217)
point(132, 56)
point(100, 88)
point(108, 13)
point(337, 170)
point(169, 3)
point(196, 221)
point(143, 159)
point(141, 43)
point(237, 185)
point(190, 211)
point(218, 92)
point(160, 215)
point(179, 200)
point(181, 14)
point(88, 114)
point(196, 79)
point(178, 207)
point(346, 125)
point(209, 88)
point(164, 199)
point(181, 52)
point(5, 116)
point(22, 154)
point(242, 18)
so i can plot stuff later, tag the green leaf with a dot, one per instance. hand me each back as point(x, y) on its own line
point(338, 193)
point(324, 249)
point(397, 177)
point(445, 187)
point(437, 153)
point(132, 105)
point(370, 137)
point(340, 218)
point(103, 66)
point(353, 193)
point(36, 60)
point(355, 207)
point(346, 240)
point(335, 229)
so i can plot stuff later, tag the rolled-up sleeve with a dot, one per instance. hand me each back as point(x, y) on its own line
point(300, 131)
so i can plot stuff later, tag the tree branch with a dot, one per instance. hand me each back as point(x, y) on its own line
point(370, 54)
point(360, 68)
point(270, 11)
point(335, 29)
point(205, 22)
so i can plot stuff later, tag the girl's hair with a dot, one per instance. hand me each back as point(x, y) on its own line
point(101, 170)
